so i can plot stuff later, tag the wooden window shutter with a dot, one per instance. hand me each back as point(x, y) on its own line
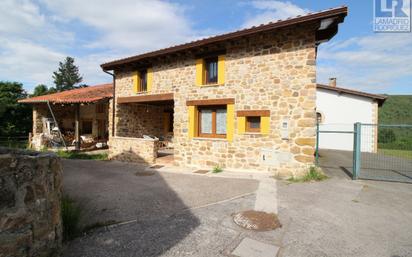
point(192, 121)
point(149, 79)
point(264, 125)
point(241, 125)
point(136, 82)
point(199, 72)
point(230, 122)
point(221, 69)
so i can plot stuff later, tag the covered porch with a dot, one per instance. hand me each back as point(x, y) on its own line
point(143, 129)
point(74, 119)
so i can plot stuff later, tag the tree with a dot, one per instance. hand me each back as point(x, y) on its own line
point(42, 89)
point(15, 118)
point(67, 75)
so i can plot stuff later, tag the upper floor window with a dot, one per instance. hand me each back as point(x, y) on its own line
point(143, 80)
point(211, 70)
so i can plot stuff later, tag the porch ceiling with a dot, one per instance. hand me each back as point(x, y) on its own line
point(147, 99)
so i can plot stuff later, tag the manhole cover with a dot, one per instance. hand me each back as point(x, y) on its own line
point(257, 220)
point(156, 166)
point(201, 171)
point(144, 173)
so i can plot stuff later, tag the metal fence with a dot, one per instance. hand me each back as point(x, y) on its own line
point(14, 142)
point(384, 152)
point(367, 151)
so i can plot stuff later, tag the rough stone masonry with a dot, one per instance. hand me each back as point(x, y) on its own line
point(273, 71)
point(30, 193)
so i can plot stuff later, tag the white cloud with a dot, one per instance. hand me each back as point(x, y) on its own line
point(272, 11)
point(25, 61)
point(136, 25)
point(36, 35)
point(374, 63)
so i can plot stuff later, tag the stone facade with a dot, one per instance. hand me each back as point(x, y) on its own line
point(30, 192)
point(271, 71)
point(128, 149)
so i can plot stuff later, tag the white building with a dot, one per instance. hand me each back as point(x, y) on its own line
point(338, 109)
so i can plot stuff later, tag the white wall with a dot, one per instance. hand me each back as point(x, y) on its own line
point(340, 112)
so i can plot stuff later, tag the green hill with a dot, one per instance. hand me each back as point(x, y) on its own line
point(397, 109)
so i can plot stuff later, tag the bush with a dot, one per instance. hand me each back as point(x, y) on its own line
point(70, 217)
point(217, 169)
point(314, 174)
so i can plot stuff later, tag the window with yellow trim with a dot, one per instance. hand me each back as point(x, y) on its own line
point(256, 121)
point(142, 80)
point(253, 124)
point(210, 70)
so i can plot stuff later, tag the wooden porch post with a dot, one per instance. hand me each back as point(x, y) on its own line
point(77, 127)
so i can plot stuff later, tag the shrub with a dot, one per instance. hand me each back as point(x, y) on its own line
point(217, 169)
point(314, 174)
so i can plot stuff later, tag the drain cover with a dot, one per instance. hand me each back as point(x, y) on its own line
point(257, 220)
point(156, 166)
point(201, 171)
point(144, 173)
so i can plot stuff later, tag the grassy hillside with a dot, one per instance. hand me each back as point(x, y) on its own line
point(397, 109)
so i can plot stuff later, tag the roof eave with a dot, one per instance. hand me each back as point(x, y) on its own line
point(339, 13)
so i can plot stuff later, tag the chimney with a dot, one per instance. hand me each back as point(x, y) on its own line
point(332, 82)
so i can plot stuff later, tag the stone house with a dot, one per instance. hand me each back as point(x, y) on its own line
point(241, 100)
point(87, 107)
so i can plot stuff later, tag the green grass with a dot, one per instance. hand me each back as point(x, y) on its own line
point(20, 144)
point(314, 174)
point(71, 213)
point(83, 156)
point(407, 154)
point(217, 169)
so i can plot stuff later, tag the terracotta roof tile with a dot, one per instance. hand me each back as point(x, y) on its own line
point(81, 95)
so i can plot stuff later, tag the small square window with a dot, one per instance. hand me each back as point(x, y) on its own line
point(253, 124)
point(211, 70)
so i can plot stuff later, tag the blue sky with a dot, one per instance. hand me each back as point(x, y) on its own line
point(36, 34)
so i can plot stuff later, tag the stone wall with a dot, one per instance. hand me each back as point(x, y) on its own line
point(130, 149)
point(30, 192)
point(148, 123)
point(272, 71)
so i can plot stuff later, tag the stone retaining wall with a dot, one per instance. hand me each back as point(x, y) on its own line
point(30, 193)
point(131, 149)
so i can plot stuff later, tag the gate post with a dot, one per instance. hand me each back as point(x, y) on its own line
point(356, 150)
point(317, 144)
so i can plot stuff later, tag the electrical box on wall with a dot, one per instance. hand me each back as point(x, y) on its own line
point(284, 129)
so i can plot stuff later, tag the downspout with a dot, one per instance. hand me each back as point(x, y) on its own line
point(114, 99)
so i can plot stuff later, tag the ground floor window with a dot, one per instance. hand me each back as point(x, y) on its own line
point(253, 124)
point(212, 121)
